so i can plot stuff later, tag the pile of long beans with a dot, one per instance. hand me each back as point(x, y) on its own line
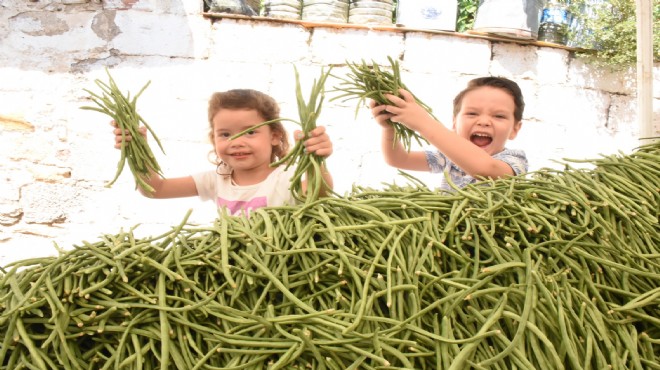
point(367, 81)
point(556, 270)
point(136, 151)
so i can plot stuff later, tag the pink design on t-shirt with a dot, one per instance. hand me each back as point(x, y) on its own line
point(235, 206)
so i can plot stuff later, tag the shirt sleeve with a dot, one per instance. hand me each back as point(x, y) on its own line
point(436, 160)
point(517, 159)
point(205, 183)
point(279, 184)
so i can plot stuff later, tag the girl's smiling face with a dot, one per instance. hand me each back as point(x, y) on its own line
point(486, 118)
point(250, 152)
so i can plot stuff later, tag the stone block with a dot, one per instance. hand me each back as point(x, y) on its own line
point(331, 46)
point(46, 203)
point(439, 53)
point(154, 34)
point(584, 75)
point(514, 61)
point(269, 43)
point(551, 66)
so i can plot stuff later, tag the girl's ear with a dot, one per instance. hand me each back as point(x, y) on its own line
point(514, 131)
point(275, 137)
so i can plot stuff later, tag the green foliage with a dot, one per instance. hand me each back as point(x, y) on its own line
point(467, 10)
point(610, 29)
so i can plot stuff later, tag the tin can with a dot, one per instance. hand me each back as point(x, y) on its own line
point(555, 21)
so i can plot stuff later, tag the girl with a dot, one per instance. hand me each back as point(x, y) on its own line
point(243, 179)
point(486, 114)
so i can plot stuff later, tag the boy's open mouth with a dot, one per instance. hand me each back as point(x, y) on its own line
point(480, 139)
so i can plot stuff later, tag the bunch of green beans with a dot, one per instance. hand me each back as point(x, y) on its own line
point(308, 164)
point(136, 151)
point(556, 270)
point(370, 81)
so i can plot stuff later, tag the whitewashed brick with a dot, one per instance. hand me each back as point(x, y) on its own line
point(551, 66)
point(10, 214)
point(143, 33)
point(572, 108)
point(587, 76)
point(514, 61)
point(19, 243)
point(337, 46)
point(46, 203)
point(534, 132)
point(623, 115)
point(52, 41)
point(12, 181)
point(529, 89)
point(241, 41)
point(437, 90)
point(440, 53)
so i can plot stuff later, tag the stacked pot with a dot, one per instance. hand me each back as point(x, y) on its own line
point(371, 12)
point(325, 11)
point(244, 7)
point(283, 9)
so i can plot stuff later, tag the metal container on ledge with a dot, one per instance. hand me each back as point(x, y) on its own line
point(513, 19)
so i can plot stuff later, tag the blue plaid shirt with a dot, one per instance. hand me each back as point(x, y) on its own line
point(439, 163)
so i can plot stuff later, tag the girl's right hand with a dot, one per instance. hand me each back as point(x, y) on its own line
point(119, 138)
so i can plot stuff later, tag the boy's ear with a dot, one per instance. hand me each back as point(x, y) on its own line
point(516, 128)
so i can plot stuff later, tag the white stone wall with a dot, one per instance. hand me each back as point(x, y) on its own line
point(56, 158)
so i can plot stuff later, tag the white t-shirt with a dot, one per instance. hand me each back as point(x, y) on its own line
point(236, 199)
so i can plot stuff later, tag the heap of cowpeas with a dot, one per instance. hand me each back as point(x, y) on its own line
point(558, 269)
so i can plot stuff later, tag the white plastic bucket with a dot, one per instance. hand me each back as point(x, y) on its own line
point(516, 19)
point(427, 14)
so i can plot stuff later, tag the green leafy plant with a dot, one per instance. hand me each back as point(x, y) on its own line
point(607, 32)
point(467, 10)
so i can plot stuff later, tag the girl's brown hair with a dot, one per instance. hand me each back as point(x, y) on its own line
point(249, 99)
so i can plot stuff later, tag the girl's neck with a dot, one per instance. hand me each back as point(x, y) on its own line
point(250, 177)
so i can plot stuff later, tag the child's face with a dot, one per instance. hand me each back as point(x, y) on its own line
point(251, 151)
point(486, 119)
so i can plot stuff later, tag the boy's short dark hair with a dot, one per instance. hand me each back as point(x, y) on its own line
point(502, 83)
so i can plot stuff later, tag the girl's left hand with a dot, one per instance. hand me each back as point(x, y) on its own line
point(318, 142)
